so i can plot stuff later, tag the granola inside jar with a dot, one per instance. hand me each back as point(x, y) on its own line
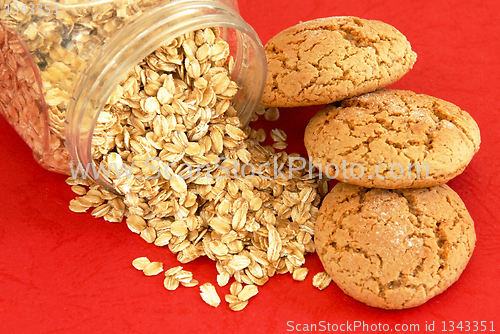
point(60, 62)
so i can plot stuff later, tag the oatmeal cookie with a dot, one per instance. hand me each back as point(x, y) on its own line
point(394, 249)
point(330, 59)
point(392, 139)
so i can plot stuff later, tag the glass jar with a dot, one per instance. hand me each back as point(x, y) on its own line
point(61, 60)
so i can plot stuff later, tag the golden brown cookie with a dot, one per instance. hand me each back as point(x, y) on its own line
point(330, 59)
point(392, 139)
point(393, 249)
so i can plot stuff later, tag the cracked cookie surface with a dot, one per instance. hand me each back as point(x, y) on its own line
point(425, 140)
point(394, 249)
point(329, 59)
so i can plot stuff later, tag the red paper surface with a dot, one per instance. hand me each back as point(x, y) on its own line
point(62, 272)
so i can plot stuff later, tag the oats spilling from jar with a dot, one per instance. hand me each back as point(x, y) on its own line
point(187, 173)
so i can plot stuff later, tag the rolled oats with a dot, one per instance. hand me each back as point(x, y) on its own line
point(191, 283)
point(176, 276)
point(79, 190)
point(75, 206)
point(231, 299)
point(322, 280)
point(140, 263)
point(272, 114)
point(238, 306)
point(148, 234)
point(261, 110)
point(163, 239)
point(59, 65)
point(153, 268)
point(280, 145)
point(173, 271)
point(209, 294)
point(101, 210)
point(278, 135)
point(170, 283)
point(248, 292)
point(191, 189)
point(223, 278)
point(136, 223)
point(300, 274)
point(239, 295)
point(236, 288)
point(184, 276)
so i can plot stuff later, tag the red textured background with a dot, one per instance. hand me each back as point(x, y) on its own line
point(62, 272)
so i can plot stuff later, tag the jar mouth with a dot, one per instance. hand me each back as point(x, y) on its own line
point(128, 48)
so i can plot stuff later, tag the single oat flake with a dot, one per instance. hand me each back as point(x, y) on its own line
point(209, 294)
point(140, 263)
point(152, 269)
point(321, 280)
point(300, 274)
point(248, 292)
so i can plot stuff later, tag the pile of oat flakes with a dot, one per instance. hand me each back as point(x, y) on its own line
point(171, 115)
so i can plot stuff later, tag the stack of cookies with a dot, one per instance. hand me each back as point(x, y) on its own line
point(391, 233)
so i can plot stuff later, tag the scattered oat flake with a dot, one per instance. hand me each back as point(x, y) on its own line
point(321, 280)
point(278, 135)
point(209, 294)
point(184, 276)
point(170, 283)
point(300, 274)
point(238, 306)
point(136, 223)
point(163, 239)
point(152, 269)
point(248, 292)
point(193, 282)
point(148, 234)
point(280, 145)
point(76, 207)
point(172, 271)
point(260, 110)
point(140, 263)
point(235, 288)
point(223, 278)
point(79, 190)
point(231, 299)
point(272, 114)
point(101, 210)
point(261, 135)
